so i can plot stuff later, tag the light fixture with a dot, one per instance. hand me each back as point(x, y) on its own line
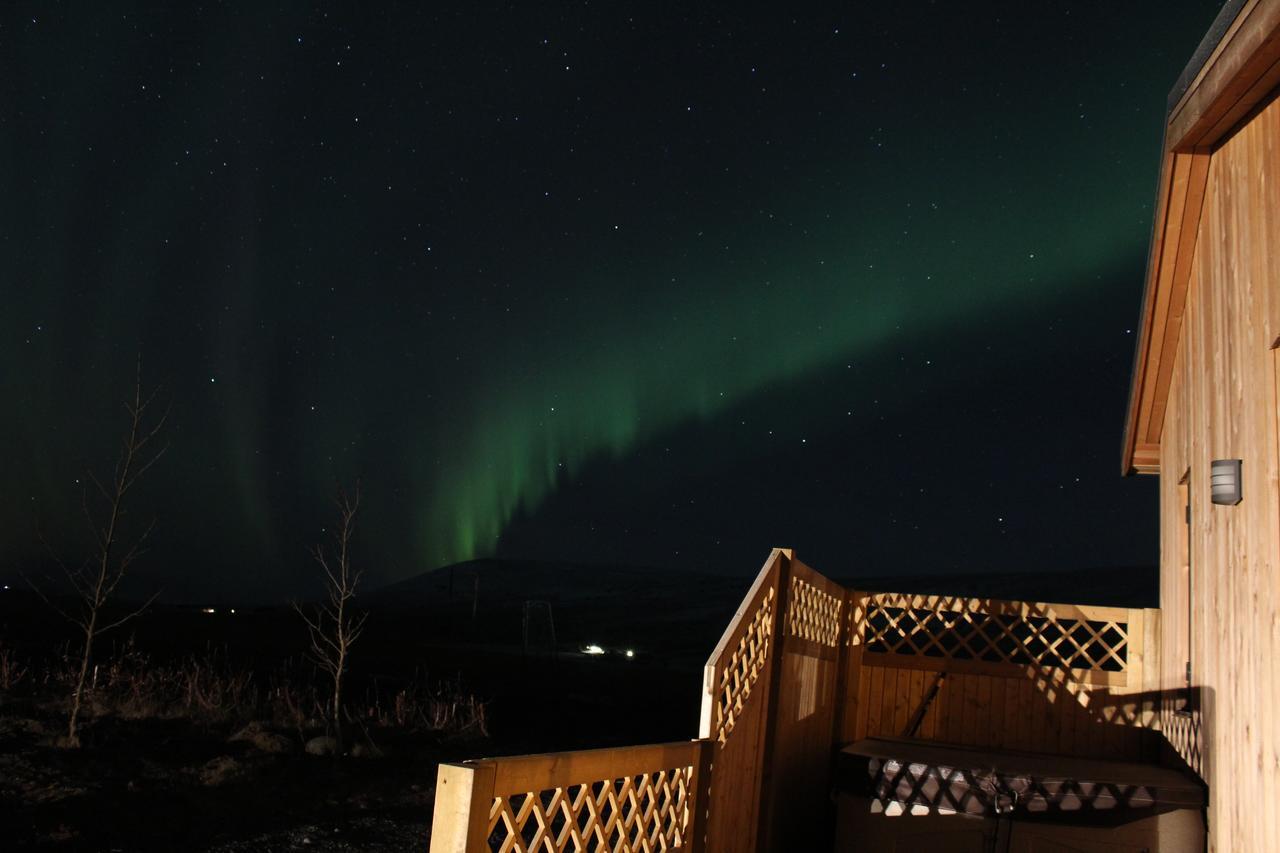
point(631, 653)
point(1224, 481)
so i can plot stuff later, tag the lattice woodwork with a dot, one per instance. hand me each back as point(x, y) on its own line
point(1182, 730)
point(904, 788)
point(964, 629)
point(744, 667)
point(634, 814)
point(813, 614)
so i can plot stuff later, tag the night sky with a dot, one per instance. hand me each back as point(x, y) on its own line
point(661, 285)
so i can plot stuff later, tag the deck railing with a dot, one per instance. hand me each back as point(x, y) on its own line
point(1057, 678)
point(639, 798)
point(804, 666)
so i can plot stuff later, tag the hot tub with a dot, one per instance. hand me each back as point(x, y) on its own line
point(903, 795)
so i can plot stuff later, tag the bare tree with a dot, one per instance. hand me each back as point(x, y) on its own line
point(95, 580)
point(332, 624)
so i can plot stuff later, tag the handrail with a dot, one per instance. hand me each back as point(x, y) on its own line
point(763, 590)
point(633, 798)
point(1088, 644)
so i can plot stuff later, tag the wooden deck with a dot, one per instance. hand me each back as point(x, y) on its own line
point(805, 668)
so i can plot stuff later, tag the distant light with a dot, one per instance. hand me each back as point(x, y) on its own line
point(593, 649)
point(233, 610)
point(631, 653)
point(6, 586)
point(207, 610)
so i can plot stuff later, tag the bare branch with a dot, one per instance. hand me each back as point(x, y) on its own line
point(97, 579)
point(138, 612)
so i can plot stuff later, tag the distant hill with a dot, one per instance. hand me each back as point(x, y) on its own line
point(502, 584)
point(1130, 586)
point(511, 582)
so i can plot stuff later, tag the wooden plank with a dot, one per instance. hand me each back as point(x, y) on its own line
point(700, 794)
point(460, 820)
point(929, 724)
point(1069, 708)
point(732, 635)
point(733, 813)
point(864, 700)
point(888, 701)
point(848, 660)
point(915, 699)
point(1176, 203)
point(979, 667)
point(986, 729)
point(875, 702)
point(1002, 607)
point(968, 685)
point(1138, 408)
point(1176, 272)
point(1026, 710)
point(518, 774)
point(1012, 718)
point(955, 707)
point(1217, 99)
point(769, 729)
point(995, 712)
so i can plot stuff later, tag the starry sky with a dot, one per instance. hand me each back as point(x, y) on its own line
point(648, 284)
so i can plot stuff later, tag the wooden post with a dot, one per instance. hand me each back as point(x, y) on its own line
point(768, 729)
point(460, 822)
point(844, 660)
point(700, 795)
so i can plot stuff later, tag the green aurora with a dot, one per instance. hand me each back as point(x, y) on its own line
point(882, 278)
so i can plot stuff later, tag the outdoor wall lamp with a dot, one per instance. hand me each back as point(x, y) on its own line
point(1224, 481)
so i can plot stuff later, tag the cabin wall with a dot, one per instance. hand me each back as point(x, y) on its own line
point(1222, 405)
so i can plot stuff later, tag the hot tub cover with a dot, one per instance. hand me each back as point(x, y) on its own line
point(904, 776)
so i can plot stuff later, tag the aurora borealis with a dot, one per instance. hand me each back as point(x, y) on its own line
point(601, 283)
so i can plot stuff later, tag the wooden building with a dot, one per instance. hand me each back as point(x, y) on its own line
point(843, 719)
point(1204, 390)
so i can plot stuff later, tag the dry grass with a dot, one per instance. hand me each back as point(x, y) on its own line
point(208, 689)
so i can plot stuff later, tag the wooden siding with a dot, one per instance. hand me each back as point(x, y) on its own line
point(1222, 405)
point(1235, 83)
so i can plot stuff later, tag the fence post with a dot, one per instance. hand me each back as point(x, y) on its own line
point(768, 728)
point(700, 795)
point(464, 793)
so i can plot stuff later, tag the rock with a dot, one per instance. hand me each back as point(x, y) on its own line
point(220, 770)
point(262, 738)
point(323, 745)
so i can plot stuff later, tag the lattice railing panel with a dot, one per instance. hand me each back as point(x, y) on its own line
point(1182, 730)
point(813, 614)
point(906, 788)
point(744, 667)
point(633, 814)
point(963, 629)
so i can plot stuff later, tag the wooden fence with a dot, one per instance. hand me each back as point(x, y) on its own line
point(1054, 678)
point(805, 666)
point(640, 798)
